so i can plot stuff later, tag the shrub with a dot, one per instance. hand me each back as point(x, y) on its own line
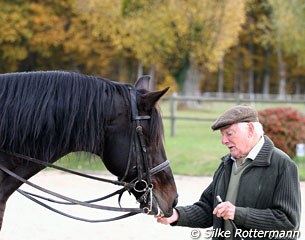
point(285, 126)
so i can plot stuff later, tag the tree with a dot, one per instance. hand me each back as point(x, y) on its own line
point(32, 33)
point(187, 39)
point(163, 35)
point(213, 27)
point(287, 34)
point(89, 42)
point(13, 34)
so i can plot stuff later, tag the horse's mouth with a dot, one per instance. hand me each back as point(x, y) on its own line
point(159, 212)
point(156, 208)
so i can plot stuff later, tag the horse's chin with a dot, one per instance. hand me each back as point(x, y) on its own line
point(160, 211)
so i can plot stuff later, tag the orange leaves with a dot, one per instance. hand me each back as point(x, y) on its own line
point(47, 29)
point(91, 34)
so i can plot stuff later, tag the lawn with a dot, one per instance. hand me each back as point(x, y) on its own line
point(195, 149)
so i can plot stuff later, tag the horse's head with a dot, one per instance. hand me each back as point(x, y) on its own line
point(134, 149)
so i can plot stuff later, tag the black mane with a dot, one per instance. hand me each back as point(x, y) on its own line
point(47, 114)
point(40, 112)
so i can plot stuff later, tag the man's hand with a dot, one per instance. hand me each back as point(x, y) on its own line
point(226, 210)
point(169, 220)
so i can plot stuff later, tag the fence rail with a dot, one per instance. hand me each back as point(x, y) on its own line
point(224, 97)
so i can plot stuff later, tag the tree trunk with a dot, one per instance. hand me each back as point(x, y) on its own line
point(281, 73)
point(251, 62)
point(251, 71)
point(220, 78)
point(266, 74)
point(122, 69)
point(152, 83)
point(298, 86)
point(191, 83)
point(140, 69)
point(238, 86)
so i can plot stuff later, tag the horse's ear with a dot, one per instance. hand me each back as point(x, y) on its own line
point(151, 98)
point(143, 82)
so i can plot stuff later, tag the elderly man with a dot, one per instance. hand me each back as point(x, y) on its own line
point(258, 182)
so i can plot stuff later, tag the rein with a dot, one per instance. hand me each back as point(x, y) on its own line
point(141, 184)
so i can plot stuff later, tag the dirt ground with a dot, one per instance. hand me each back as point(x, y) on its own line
point(25, 220)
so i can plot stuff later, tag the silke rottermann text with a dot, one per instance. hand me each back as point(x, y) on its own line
point(253, 233)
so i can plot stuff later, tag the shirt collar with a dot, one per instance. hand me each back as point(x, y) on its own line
point(254, 151)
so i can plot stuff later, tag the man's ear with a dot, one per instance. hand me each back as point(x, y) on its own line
point(251, 129)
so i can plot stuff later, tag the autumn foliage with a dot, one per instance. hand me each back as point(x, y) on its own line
point(93, 36)
point(285, 126)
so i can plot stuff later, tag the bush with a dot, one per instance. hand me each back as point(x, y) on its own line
point(285, 126)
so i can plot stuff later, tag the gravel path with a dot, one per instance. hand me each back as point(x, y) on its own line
point(25, 220)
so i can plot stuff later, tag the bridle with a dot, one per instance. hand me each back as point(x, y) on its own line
point(141, 184)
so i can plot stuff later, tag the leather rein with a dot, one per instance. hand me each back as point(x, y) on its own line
point(140, 184)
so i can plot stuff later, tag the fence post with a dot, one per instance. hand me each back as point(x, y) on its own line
point(173, 114)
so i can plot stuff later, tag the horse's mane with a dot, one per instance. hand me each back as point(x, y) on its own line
point(40, 112)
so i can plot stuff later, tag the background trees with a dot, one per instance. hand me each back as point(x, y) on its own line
point(253, 46)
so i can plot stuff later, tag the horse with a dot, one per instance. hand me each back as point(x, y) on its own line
point(48, 114)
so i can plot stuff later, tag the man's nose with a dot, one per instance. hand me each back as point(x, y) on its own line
point(224, 139)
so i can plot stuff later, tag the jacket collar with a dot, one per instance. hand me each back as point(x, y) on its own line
point(263, 157)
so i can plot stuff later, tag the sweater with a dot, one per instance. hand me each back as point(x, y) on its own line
point(268, 197)
point(236, 172)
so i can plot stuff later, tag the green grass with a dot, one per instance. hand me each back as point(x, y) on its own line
point(195, 150)
point(82, 161)
point(301, 164)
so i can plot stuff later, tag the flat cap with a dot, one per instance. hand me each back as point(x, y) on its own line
point(237, 114)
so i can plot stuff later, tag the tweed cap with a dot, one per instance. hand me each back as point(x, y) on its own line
point(237, 114)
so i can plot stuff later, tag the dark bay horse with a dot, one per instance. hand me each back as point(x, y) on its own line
point(46, 115)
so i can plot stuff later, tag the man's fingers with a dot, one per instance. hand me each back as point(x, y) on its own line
point(225, 210)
